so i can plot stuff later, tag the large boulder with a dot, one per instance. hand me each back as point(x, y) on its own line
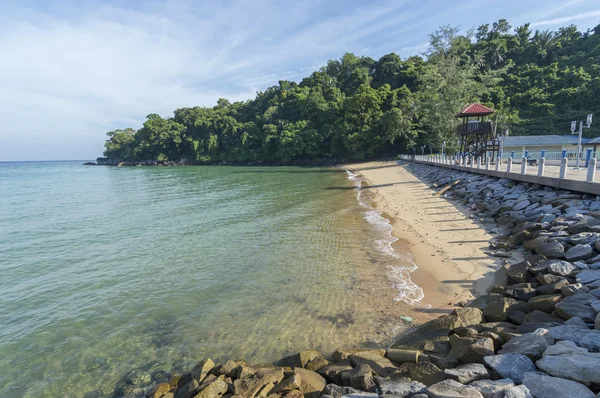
point(188, 390)
point(551, 249)
point(468, 315)
point(566, 360)
point(517, 392)
point(519, 272)
point(579, 252)
point(545, 302)
point(510, 366)
point(216, 388)
point(471, 349)
point(399, 388)
point(361, 378)
point(423, 372)
point(435, 330)
point(587, 277)
point(579, 334)
point(452, 389)
point(468, 373)
point(299, 359)
point(498, 307)
point(201, 370)
point(544, 386)
point(577, 305)
point(492, 388)
point(252, 384)
point(532, 345)
point(311, 383)
point(560, 267)
point(332, 372)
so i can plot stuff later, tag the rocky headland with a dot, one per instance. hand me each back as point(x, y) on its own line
point(537, 335)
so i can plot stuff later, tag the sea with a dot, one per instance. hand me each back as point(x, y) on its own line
point(115, 278)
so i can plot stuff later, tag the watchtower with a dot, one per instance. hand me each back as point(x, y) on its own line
point(476, 135)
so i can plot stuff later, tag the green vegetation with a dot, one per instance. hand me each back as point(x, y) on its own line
point(356, 108)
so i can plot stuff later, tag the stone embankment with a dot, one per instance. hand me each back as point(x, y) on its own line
point(537, 336)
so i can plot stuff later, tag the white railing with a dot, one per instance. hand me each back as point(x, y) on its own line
point(527, 166)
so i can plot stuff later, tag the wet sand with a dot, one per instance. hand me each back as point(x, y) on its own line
point(447, 246)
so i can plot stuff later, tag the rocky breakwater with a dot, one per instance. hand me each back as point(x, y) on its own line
point(537, 335)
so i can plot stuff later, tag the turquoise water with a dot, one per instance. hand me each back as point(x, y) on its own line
point(114, 278)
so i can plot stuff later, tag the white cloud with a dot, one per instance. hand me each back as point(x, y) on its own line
point(568, 19)
point(73, 70)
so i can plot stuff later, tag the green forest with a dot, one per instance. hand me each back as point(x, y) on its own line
point(357, 108)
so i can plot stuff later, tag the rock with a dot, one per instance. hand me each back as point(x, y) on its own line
point(576, 321)
point(361, 378)
point(188, 390)
point(311, 383)
point(316, 364)
point(566, 360)
point(492, 388)
point(291, 394)
point(207, 380)
point(532, 345)
point(423, 372)
point(435, 330)
point(338, 391)
point(535, 244)
point(201, 369)
point(497, 308)
point(538, 316)
point(215, 389)
point(519, 272)
point(252, 384)
point(510, 366)
point(579, 252)
point(583, 225)
point(229, 368)
point(468, 373)
point(380, 365)
point(517, 392)
point(597, 322)
point(468, 315)
point(551, 249)
point(545, 303)
point(588, 276)
point(518, 238)
point(399, 388)
point(160, 390)
point(575, 288)
point(595, 293)
point(580, 335)
point(578, 305)
point(471, 349)
point(299, 359)
point(332, 372)
point(544, 386)
point(452, 389)
point(522, 291)
point(517, 317)
point(560, 267)
point(552, 288)
point(291, 383)
point(521, 205)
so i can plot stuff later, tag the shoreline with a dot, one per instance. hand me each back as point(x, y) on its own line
point(448, 271)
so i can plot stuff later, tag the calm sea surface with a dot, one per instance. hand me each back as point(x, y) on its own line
point(113, 278)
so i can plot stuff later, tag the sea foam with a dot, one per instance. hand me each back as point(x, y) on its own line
point(402, 263)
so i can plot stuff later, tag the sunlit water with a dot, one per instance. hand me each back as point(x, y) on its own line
point(113, 278)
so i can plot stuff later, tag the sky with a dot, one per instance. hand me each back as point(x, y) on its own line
point(70, 71)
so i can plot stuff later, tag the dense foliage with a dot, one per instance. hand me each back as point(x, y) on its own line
point(358, 108)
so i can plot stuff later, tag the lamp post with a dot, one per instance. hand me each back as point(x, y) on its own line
point(580, 132)
point(443, 146)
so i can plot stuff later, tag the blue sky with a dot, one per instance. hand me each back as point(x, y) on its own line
point(73, 70)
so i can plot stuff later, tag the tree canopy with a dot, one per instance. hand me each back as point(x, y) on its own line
point(358, 108)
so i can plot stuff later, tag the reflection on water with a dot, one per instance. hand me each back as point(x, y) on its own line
point(114, 278)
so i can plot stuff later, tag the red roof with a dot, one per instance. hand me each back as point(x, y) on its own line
point(475, 109)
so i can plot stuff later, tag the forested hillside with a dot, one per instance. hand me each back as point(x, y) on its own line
point(358, 108)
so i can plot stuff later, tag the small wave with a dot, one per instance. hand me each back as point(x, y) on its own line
point(408, 291)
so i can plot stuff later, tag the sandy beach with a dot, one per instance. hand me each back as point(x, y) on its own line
point(447, 246)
